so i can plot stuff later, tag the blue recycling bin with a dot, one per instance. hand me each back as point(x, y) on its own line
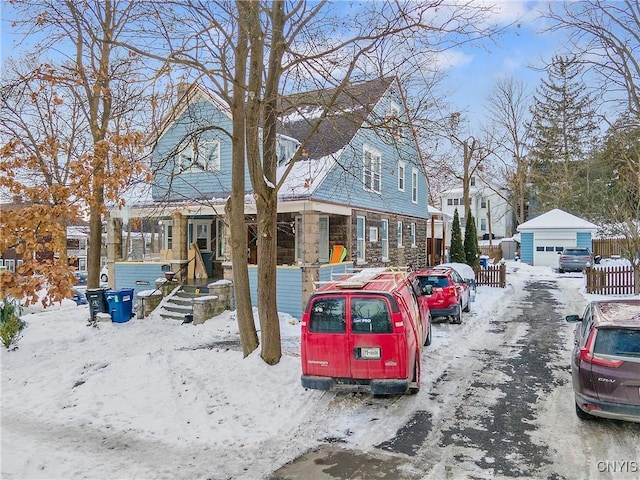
point(120, 304)
point(484, 261)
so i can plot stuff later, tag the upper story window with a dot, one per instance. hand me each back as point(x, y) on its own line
point(472, 181)
point(414, 186)
point(371, 169)
point(200, 155)
point(393, 121)
point(449, 201)
point(483, 203)
point(401, 170)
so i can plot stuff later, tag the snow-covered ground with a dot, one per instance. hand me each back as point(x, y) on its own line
point(152, 398)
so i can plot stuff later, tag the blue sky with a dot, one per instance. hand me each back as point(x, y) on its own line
point(471, 72)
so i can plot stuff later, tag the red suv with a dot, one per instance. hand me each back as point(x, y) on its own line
point(365, 331)
point(605, 365)
point(449, 293)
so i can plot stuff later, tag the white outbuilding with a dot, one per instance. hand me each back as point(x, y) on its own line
point(543, 238)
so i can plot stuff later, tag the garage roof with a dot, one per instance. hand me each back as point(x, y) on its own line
point(559, 220)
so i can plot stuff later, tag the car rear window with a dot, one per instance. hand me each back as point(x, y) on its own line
point(328, 315)
point(611, 341)
point(370, 315)
point(434, 281)
point(576, 251)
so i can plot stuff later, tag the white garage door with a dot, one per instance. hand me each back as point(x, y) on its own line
point(547, 248)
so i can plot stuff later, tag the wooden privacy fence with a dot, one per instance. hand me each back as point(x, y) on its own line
point(612, 280)
point(492, 275)
point(495, 253)
point(606, 247)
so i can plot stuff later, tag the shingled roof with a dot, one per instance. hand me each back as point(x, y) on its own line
point(302, 111)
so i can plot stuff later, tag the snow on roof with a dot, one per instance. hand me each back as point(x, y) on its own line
point(557, 219)
point(306, 175)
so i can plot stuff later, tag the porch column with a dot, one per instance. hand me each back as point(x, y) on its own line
point(227, 266)
point(114, 247)
point(310, 252)
point(179, 248)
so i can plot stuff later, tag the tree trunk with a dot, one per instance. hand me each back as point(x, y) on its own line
point(235, 205)
point(267, 268)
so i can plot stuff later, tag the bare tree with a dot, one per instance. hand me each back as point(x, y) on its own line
point(606, 38)
point(252, 53)
point(106, 83)
point(508, 107)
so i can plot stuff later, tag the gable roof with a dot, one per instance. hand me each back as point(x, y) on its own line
point(557, 219)
point(301, 113)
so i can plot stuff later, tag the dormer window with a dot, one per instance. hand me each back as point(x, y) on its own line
point(200, 155)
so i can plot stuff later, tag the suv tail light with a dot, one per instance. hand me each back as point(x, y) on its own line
point(586, 354)
point(449, 290)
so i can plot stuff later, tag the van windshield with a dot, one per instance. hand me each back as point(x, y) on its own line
point(370, 315)
point(328, 315)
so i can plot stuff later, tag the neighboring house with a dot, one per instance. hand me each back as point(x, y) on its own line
point(492, 213)
point(543, 238)
point(358, 185)
point(77, 242)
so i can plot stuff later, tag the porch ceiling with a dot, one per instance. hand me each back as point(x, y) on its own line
point(154, 211)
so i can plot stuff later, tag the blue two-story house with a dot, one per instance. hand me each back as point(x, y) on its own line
point(359, 187)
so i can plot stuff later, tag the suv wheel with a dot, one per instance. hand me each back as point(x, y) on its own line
point(468, 307)
point(457, 318)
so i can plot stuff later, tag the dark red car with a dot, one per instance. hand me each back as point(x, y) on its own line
point(449, 293)
point(605, 364)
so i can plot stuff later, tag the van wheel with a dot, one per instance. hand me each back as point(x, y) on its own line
point(468, 307)
point(415, 383)
point(582, 415)
point(427, 341)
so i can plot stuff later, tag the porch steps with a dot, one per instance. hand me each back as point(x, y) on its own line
point(180, 305)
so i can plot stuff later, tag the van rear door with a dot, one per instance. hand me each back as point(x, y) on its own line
point(325, 345)
point(376, 351)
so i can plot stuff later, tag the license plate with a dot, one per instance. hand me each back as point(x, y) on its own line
point(370, 352)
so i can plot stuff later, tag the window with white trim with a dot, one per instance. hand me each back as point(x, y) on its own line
point(400, 234)
point(200, 155)
point(393, 121)
point(401, 173)
point(221, 239)
point(384, 239)
point(413, 234)
point(360, 239)
point(371, 169)
point(10, 264)
point(201, 234)
point(414, 185)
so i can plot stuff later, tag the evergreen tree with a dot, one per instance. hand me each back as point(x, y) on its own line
point(471, 248)
point(563, 129)
point(457, 248)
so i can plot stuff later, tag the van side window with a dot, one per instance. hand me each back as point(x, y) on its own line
point(328, 316)
point(370, 315)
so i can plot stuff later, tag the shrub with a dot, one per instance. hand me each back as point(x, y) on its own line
point(10, 323)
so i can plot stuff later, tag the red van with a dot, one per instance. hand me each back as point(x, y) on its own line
point(365, 331)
